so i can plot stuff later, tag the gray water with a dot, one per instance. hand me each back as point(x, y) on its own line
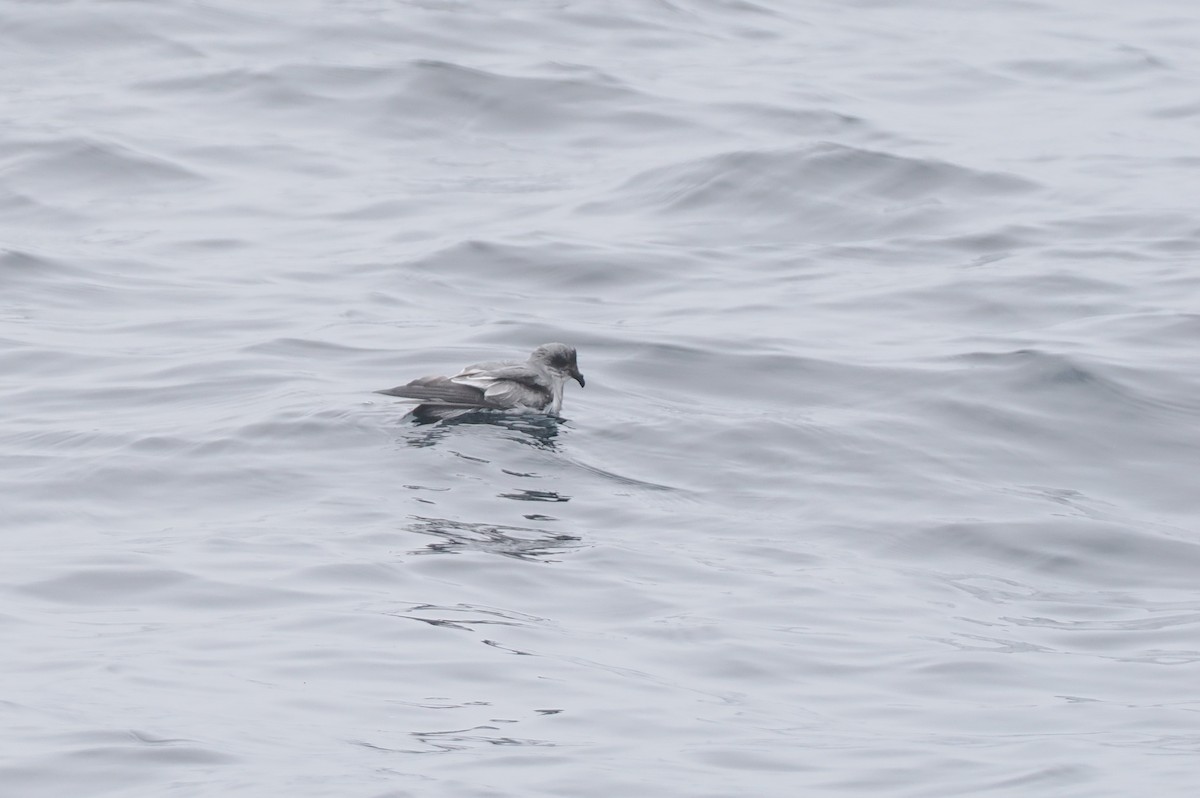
point(884, 482)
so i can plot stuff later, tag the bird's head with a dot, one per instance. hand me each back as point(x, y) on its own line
point(558, 359)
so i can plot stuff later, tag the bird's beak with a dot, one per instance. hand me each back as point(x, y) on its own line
point(578, 377)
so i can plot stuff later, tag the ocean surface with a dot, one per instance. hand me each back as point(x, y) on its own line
point(885, 482)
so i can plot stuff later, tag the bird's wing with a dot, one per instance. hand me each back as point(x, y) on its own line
point(507, 384)
point(497, 386)
point(442, 391)
point(510, 393)
point(482, 375)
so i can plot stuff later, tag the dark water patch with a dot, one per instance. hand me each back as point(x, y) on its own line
point(1028, 417)
point(714, 374)
point(341, 80)
point(826, 192)
point(626, 481)
point(588, 18)
point(1140, 623)
point(381, 210)
point(1181, 245)
point(1084, 552)
point(214, 244)
point(66, 443)
point(459, 100)
point(440, 97)
point(464, 739)
point(1003, 241)
point(259, 90)
point(534, 430)
point(981, 297)
point(102, 585)
point(1156, 332)
point(229, 161)
point(1099, 68)
point(297, 425)
point(303, 348)
point(817, 122)
point(466, 616)
point(535, 496)
point(19, 265)
point(19, 207)
point(1179, 111)
point(540, 265)
point(751, 179)
point(77, 769)
point(1084, 386)
point(520, 543)
point(92, 30)
point(1134, 226)
point(376, 576)
point(125, 401)
point(91, 167)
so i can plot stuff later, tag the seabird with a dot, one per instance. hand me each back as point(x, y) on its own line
point(533, 386)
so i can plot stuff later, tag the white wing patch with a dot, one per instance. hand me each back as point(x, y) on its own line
point(499, 389)
point(476, 378)
point(507, 393)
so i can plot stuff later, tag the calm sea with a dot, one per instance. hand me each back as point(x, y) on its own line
point(884, 482)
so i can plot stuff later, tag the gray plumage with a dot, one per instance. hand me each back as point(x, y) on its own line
point(533, 386)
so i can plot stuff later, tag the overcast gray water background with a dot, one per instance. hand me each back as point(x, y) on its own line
point(884, 482)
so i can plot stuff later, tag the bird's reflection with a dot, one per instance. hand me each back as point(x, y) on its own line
point(534, 430)
point(522, 543)
point(535, 496)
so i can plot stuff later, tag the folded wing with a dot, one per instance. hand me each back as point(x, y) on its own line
point(502, 388)
point(441, 391)
point(509, 393)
